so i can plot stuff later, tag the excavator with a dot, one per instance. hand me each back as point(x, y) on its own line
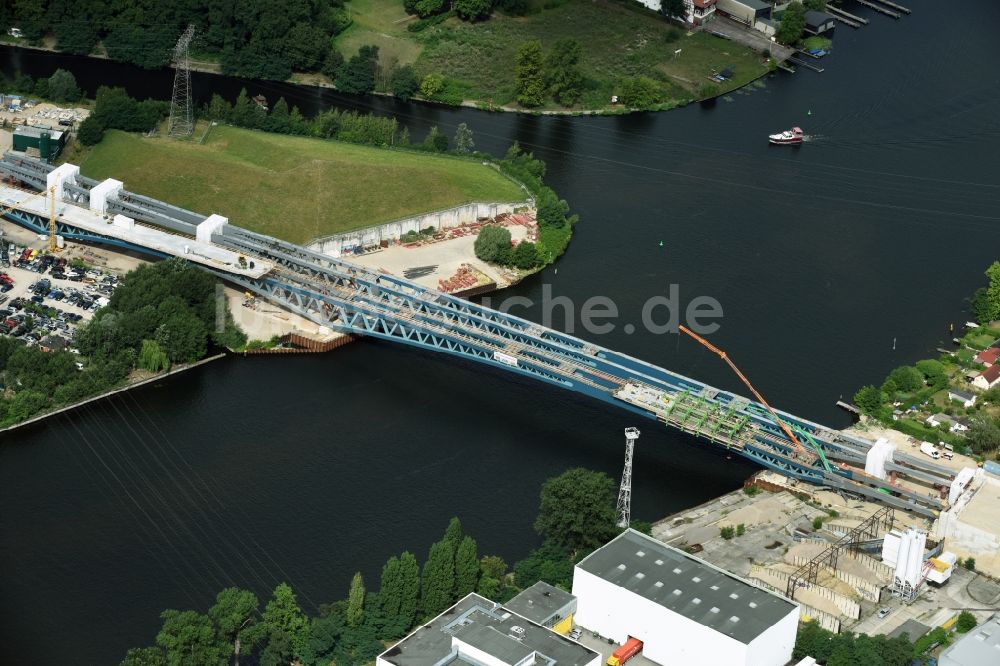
point(801, 452)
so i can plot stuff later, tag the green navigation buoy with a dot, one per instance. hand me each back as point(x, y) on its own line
point(809, 112)
point(661, 243)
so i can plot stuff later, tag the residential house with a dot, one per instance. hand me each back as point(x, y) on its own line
point(935, 420)
point(960, 425)
point(696, 12)
point(818, 22)
point(988, 378)
point(988, 356)
point(967, 399)
point(744, 11)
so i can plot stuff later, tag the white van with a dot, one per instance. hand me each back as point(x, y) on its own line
point(947, 450)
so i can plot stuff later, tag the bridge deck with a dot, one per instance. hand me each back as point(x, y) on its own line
point(159, 241)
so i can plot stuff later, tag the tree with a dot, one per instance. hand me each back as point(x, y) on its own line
point(233, 613)
point(435, 141)
point(358, 74)
point(525, 255)
point(356, 601)
point(189, 639)
point(970, 563)
point(404, 82)
point(549, 562)
point(472, 10)
point(932, 370)
point(466, 567)
point(432, 85)
point(409, 574)
point(91, 131)
point(577, 509)
point(390, 594)
point(529, 80)
point(282, 622)
point(814, 5)
point(219, 109)
point(907, 378)
point(492, 244)
point(493, 566)
point(793, 22)
point(438, 579)
point(640, 92)
point(148, 656)
point(463, 139)
point(152, 358)
point(869, 400)
point(562, 76)
point(62, 87)
point(991, 311)
point(983, 434)
point(966, 622)
point(673, 8)
point(726, 532)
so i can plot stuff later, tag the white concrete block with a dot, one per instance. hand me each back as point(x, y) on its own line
point(213, 224)
point(101, 193)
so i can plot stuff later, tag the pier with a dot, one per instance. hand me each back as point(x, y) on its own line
point(879, 8)
point(846, 17)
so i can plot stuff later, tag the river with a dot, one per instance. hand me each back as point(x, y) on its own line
point(833, 263)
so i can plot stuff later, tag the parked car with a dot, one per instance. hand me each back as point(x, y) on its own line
point(883, 612)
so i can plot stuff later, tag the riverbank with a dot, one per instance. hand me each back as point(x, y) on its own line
point(476, 61)
point(133, 384)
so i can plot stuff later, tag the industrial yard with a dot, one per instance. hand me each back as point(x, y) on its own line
point(777, 527)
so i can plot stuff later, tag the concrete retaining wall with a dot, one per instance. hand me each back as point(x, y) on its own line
point(824, 619)
point(848, 607)
point(339, 244)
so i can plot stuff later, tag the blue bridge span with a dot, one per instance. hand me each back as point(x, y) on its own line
point(352, 299)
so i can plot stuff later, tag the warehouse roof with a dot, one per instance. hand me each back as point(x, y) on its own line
point(687, 585)
point(491, 628)
point(979, 647)
point(28, 130)
point(542, 603)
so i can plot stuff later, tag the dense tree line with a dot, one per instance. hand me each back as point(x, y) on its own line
point(61, 87)
point(352, 631)
point(254, 38)
point(115, 109)
point(159, 315)
point(848, 649)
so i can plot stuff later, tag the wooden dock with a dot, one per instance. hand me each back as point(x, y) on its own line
point(899, 8)
point(807, 65)
point(849, 407)
point(882, 9)
point(846, 17)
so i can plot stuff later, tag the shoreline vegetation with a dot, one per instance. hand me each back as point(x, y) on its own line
point(352, 631)
point(919, 400)
point(551, 57)
point(160, 316)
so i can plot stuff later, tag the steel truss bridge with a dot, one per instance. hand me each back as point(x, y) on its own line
point(352, 299)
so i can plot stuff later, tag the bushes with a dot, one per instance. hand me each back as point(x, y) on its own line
point(493, 245)
point(966, 622)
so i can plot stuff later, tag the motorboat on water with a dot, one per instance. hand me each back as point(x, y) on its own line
point(788, 137)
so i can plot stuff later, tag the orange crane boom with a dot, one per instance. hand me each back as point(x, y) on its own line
point(725, 357)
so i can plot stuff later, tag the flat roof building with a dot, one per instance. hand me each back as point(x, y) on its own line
point(979, 647)
point(681, 607)
point(546, 605)
point(479, 632)
point(48, 142)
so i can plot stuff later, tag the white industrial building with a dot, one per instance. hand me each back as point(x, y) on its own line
point(479, 632)
point(685, 610)
point(979, 647)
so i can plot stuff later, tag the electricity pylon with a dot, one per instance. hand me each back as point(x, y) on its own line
point(181, 123)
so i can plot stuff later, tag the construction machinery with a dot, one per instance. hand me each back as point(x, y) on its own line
point(625, 491)
point(801, 451)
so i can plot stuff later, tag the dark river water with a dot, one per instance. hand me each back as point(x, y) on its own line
point(306, 469)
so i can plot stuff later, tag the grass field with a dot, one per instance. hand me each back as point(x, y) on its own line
point(293, 188)
point(619, 41)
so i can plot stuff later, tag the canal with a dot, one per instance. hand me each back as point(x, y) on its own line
point(306, 469)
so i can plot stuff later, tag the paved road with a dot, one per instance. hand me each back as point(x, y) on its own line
point(737, 32)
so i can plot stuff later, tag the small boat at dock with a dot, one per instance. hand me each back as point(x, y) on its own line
point(788, 137)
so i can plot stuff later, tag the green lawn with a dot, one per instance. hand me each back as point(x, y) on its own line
point(619, 40)
point(293, 188)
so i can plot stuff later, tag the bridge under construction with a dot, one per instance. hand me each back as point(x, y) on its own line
point(346, 297)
